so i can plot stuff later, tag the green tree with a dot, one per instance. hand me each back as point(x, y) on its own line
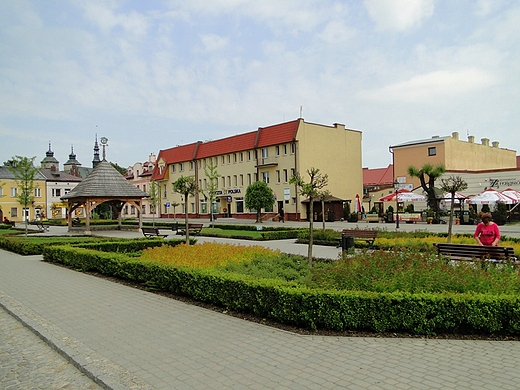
point(119, 168)
point(259, 196)
point(427, 176)
point(24, 173)
point(210, 170)
point(452, 185)
point(324, 196)
point(186, 186)
point(154, 198)
point(310, 190)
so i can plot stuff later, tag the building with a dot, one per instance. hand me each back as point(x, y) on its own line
point(140, 175)
point(377, 182)
point(272, 154)
point(455, 154)
point(9, 204)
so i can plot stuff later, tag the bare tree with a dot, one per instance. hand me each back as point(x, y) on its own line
point(210, 170)
point(310, 191)
point(186, 186)
point(451, 185)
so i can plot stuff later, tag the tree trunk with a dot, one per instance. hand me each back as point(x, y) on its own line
point(186, 219)
point(450, 224)
point(323, 213)
point(258, 216)
point(309, 252)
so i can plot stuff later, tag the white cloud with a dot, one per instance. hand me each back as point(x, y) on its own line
point(336, 32)
point(399, 15)
point(213, 42)
point(438, 84)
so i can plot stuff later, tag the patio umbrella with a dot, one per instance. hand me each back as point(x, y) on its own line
point(491, 196)
point(514, 194)
point(403, 196)
point(458, 197)
point(357, 204)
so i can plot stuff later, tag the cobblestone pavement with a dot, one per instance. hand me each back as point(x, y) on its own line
point(27, 362)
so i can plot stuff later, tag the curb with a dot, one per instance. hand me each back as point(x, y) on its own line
point(98, 368)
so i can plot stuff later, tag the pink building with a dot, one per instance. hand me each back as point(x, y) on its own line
point(140, 175)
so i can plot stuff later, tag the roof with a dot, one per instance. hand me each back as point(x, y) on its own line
point(52, 175)
point(378, 176)
point(422, 141)
point(105, 182)
point(5, 173)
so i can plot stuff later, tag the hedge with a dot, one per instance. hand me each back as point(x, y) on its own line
point(285, 302)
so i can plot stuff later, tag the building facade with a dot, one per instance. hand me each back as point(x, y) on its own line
point(271, 154)
point(140, 175)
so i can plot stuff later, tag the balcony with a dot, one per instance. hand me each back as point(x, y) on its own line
point(264, 162)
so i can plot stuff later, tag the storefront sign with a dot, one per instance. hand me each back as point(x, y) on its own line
point(228, 192)
point(504, 183)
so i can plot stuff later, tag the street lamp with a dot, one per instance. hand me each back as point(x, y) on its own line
point(396, 184)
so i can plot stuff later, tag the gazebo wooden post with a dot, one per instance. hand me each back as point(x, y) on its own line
point(88, 207)
point(140, 203)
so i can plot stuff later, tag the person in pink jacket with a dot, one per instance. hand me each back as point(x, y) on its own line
point(487, 232)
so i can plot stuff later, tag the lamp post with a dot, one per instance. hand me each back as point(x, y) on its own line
point(396, 204)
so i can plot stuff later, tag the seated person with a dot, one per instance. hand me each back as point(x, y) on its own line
point(6, 220)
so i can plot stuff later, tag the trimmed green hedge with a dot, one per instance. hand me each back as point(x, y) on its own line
point(288, 303)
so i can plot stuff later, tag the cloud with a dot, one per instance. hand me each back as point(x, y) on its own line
point(432, 85)
point(399, 15)
point(336, 32)
point(213, 42)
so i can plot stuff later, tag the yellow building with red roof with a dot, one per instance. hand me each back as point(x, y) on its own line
point(271, 154)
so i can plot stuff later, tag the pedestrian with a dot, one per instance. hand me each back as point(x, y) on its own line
point(281, 215)
point(487, 232)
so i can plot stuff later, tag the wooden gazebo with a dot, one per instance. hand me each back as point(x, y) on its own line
point(104, 185)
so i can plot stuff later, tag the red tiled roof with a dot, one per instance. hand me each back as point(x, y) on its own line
point(277, 134)
point(236, 143)
point(378, 176)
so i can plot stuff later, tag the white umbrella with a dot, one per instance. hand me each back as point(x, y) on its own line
point(458, 197)
point(514, 194)
point(491, 196)
point(357, 204)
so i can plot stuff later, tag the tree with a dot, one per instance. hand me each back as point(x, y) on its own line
point(154, 199)
point(24, 172)
point(324, 195)
point(452, 185)
point(259, 196)
point(427, 175)
point(210, 170)
point(119, 168)
point(186, 186)
point(310, 191)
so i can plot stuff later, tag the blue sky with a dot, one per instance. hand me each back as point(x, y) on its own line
point(150, 75)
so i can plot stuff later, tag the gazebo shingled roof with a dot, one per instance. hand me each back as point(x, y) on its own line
point(104, 184)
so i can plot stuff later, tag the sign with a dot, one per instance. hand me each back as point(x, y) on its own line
point(229, 199)
point(286, 193)
point(167, 204)
point(401, 179)
point(226, 192)
point(404, 186)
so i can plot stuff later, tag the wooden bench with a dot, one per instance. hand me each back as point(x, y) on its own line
point(152, 232)
point(472, 252)
point(193, 228)
point(368, 235)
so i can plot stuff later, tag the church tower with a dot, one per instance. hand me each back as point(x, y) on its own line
point(50, 162)
point(72, 165)
point(96, 160)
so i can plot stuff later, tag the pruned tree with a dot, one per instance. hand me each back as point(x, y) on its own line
point(24, 173)
point(186, 186)
point(427, 176)
point(210, 170)
point(259, 196)
point(452, 185)
point(324, 196)
point(154, 198)
point(310, 190)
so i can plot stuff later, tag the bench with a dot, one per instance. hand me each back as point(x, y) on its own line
point(10, 223)
point(193, 228)
point(471, 252)
point(368, 235)
point(152, 232)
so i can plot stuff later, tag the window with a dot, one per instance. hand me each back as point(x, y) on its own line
point(432, 151)
point(256, 154)
point(265, 177)
point(285, 178)
point(192, 165)
point(173, 168)
point(37, 192)
point(248, 179)
point(234, 157)
point(181, 167)
point(14, 212)
point(126, 209)
point(56, 192)
point(293, 148)
point(223, 181)
point(241, 156)
point(256, 177)
point(192, 206)
point(14, 192)
point(203, 207)
point(144, 187)
point(248, 155)
point(66, 191)
point(278, 176)
point(241, 180)
point(285, 149)
point(229, 159)
point(205, 184)
point(132, 210)
point(229, 181)
point(277, 150)
point(239, 204)
point(293, 200)
point(222, 159)
point(265, 152)
point(164, 191)
point(235, 180)
point(1, 191)
point(143, 209)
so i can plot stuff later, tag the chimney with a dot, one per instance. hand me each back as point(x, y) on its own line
point(455, 135)
point(471, 139)
point(495, 144)
point(485, 141)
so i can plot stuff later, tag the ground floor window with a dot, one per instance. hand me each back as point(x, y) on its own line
point(239, 204)
point(14, 212)
point(203, 207)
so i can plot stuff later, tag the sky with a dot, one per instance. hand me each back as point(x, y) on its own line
point(150, 75)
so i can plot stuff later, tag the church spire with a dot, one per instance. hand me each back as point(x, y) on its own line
point(96, 160)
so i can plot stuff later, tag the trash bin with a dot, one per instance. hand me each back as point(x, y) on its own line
point(175, 226)
point(347, 243)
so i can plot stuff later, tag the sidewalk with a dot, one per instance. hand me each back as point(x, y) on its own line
point(126, 338)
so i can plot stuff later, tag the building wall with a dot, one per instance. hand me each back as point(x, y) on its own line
point(12, 209)
point(140, 176)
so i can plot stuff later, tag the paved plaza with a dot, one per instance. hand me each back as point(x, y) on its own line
point(125, 338)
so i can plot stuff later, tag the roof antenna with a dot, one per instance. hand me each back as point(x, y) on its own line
point(301, 109)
